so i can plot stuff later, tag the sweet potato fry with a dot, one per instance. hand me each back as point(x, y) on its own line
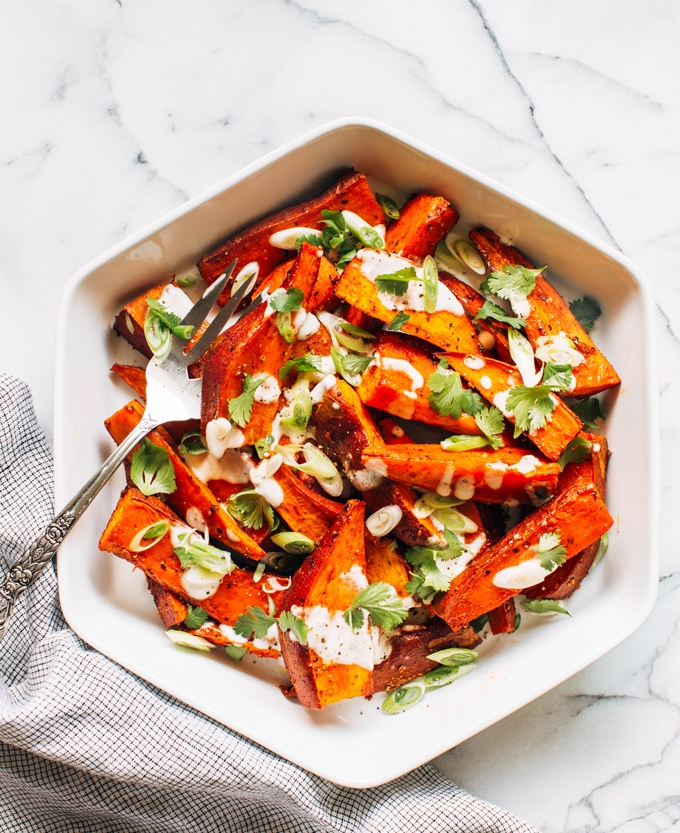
point(409, 650)
point(423, 221)
point(251, 245)
point(578, 514)
point(502, 618)
point(385, 563)
point(392, 433)
point(548, 315)
point(323, 582)
point(134, 512)
point(506, 475)
point(397, 383)
point(493, 379)
point(172, 610)
point(302, 509)
point(254, 346)
point(191, 492)
point(344, 428)
point(443, 328)
point(135, 377)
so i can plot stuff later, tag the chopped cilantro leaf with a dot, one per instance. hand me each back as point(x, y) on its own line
point(491, 310)
point(356, 364)
point(586, 311)
point(558, 376)
point(251, 510)
point(577, 451)
point(241, 407)
point(588, 410)
point(304, 364)
point(254, 623)
point(151, 470)
point(381, 603)
point(543, 606)
point(298, 627)
point(396, 283)
point(532, 408)
point(168, 319)
point(491, 423)
point(288, 301)
point(398, 321)
point(428, 578)
point(236, 652)
point(195, 618)
point(513, 282)
point(550, 552)
point(312, 239)
point(448, 396)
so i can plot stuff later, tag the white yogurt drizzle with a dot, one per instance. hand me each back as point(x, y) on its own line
point(262, 478)
point(401, 365)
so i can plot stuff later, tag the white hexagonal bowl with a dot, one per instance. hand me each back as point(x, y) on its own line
point(354, 743)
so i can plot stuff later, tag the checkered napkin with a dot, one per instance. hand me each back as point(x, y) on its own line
point(86, 746)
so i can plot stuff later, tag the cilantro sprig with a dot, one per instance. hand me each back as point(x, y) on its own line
point(396, 283)
point(151, 470)
point(491, 423)
point(427, 579)
point(588, 410)
point(448, 397)
point(288, 301)
point(337, 241)
point(493, 311)
point(195, 618)
point(380, 601)
point(513, 282)
point(303, 364)
point(577, 451)
point(257, 623)
point(398, 321)
point(168, 319)
point(586, 311)
point(241, 407)
point(533, 407)
point(543, 606)
point(551, 553)
point(251, 510)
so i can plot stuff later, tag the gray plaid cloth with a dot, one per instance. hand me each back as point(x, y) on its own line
point(86, 746)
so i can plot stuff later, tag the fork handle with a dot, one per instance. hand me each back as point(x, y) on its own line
point(40, 553)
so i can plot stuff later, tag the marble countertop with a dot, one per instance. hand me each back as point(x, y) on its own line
point(116, 112)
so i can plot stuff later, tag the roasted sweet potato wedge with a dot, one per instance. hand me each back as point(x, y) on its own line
point(235, 593)
point(254, 346)
point(506, 475)
point(321, 590)
point(251, 245)
point(448, 330)
point(385, 563)
point(304, 510)
point(423, 221)
point(494, 379)
point(392, 433)
point(408, 660)
point(171, 609)
point(191, 493)
point(502, 618)
point(577, 514)
point(548, 315)
point(133, 376)
point(397, 383)
point(344, 428)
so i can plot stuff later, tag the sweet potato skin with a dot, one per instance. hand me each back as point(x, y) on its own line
point(344, 428)
point(320, 582)
point(423, 221)
point(578, 514)
point(172, 610)
point(190, 492)
point(444, 329)
point(134, 512)
point(554, 437)
point(549, 315)
point(429, 467)
point(304, 510)
point(390, 389)
point(408, 657)
point(251, 244)
point(129, 323)
point(502, 618)
point(392, 433)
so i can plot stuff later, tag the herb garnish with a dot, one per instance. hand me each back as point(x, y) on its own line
point(195, 618)
point(336, 239)
point(288, 301)
point(195, 552)
point(588, 410)
point(304, 364)
point(532, 407)
point(241, 407)
point(388, 205)
point(396, 283)
point(491, 310)
point(448, 396)
point(168, 319)
point(543, 606)
point(257, 623)
point(151, 470)
point(577, 451)
point(380, 601)
point(236, 652)
point(262, 446)
point(491, 423)
point(192, 443)
point(398, 321)
point(586, 311)
point(427, 579)
point(251, 510)
point(513, 282)
point(551, 553)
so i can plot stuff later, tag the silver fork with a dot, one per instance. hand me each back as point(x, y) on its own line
point(170, 395)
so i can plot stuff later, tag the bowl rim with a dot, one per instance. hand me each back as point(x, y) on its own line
point(651, 401)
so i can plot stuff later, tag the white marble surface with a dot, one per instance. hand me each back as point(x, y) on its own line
point(115, 112)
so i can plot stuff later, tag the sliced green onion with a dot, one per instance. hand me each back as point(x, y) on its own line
point(455, 521)
point(601, 550)
point(194, 551)
point(186, 280)
point(158, 336)
point(189, 640)
point(317, 464)
point(192, 443)
point(383, 521)
point(262, 446)
point(427, 503)
point(469, 255)
point(446, 674)
point(389, 206)
point(523, 356)
point(149, 536)
point(454, 656)
point(333, 323)
point(259, 571)
point(362, 231)
point(299, 411)
point(352, 329)
point(293, 542)
point(463, 442)
point(444, 257)
point(431, 281)
point(403, 698)
point(236, 652)
point(353, 379)
point(284, 323)
point(249, 272)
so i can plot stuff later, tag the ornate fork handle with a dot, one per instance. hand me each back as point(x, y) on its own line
point(34, 560)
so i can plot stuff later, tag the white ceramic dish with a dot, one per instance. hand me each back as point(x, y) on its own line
point(354, 743)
